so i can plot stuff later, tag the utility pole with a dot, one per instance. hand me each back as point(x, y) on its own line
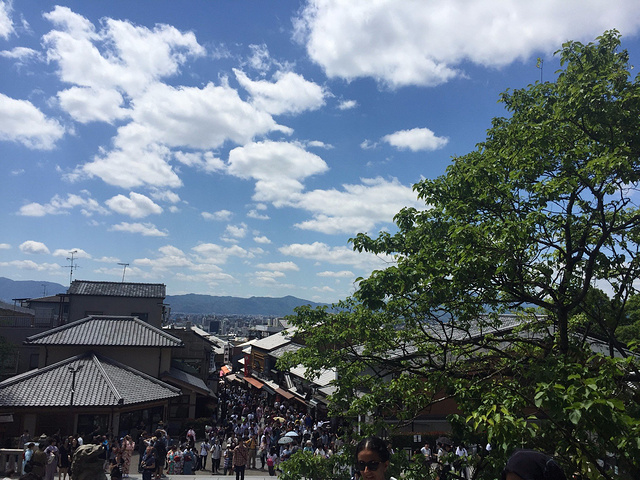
point(124, 269)
point(72, 266)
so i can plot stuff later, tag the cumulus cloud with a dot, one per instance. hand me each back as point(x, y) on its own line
point(277, 168)
point(4, 246)
point(6, 24)
point(21, 54)
point(31, 265)
point(356, 208)
point(321, 252)
point(340, 274)
point(347, 105)
point(135, 206)
point(23, 122)
point(119, 55)
point(66, 252)
point(279, 266)
point(59, 205)
point(206, 161)
point(33, 247)
point(261, 239)
point(211, 253)
point(87, 104)
point(220, 215)
point(415, 140)
point(425, 43)
point(144, 229)
point(290, 93)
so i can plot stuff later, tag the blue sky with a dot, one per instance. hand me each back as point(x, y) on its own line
point(233, 147)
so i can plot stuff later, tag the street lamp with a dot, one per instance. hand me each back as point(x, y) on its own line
point(73, 371)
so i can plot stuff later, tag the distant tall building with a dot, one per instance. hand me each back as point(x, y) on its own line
point(214, 326)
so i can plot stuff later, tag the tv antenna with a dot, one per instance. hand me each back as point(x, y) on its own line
point(124, 269)
point(72, 266)
point(44, 289)
point(540, 65)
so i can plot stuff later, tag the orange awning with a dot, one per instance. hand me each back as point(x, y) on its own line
point(224, 370)
point(284, 393)
point(254, 382)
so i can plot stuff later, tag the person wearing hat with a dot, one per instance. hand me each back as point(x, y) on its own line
point(532, 465)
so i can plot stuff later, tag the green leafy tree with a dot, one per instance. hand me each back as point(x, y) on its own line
point(526, 224)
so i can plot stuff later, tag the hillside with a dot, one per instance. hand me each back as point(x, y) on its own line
point(194, 303)
point(190, 303)
point(10, 289)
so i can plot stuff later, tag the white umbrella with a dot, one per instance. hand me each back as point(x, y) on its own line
point(285, 440)
point(291, 434)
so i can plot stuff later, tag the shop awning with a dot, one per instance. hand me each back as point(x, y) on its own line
point(284, 393)
point(254, 382)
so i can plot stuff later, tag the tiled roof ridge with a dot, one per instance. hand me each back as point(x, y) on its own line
point(105, 377)
point(38, 371)
point(90, 318)
point(116, 283)
point(57, 329)
point(133, 370)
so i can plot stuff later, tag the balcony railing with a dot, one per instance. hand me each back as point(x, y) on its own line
point(19, 321)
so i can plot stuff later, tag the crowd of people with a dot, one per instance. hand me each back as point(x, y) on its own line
point(251, 433)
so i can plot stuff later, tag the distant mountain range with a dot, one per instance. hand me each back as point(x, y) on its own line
point(190, 303)
point(10, 289)
point(193, 303)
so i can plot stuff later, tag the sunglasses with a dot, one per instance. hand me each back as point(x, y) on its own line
point(372, 466)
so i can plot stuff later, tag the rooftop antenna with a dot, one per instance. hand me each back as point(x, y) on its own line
point(72, 266)
point(44, 289)
point(124, 269)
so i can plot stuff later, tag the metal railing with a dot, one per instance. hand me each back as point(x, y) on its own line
point(19, 321)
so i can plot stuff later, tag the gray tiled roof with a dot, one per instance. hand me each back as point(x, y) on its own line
point(108, 330)
point(100, 381)
point(118, 289)
point(194, 382)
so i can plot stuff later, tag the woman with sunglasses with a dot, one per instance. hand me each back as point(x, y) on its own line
point(372, 458)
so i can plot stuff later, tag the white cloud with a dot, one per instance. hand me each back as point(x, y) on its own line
point(21, 54)
point(132, 166)
point(66, 252)
point(86, 104)
point(357, 208)
point(235, 232)
point(22, 122)
point(279, 266)
point(6, 24)
point(368, 145)
point(164, 195)
point(319, 144)
point(206, 161)
point(415, 140)
point(170, 257)
point(290, 93)
point(59, 205)
point(31, 265)
point(144, 229)
point(257, 215)
point(4, 246)
point(262, 239)
point(321, 252)
point(119, 55)
point(424, 43)
point(33, 247)
point(340, 274)
point(277, 168)
point(211, 253)
point(108, 260)
point(220, 215)
point(136, 206)
point(347, 104)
